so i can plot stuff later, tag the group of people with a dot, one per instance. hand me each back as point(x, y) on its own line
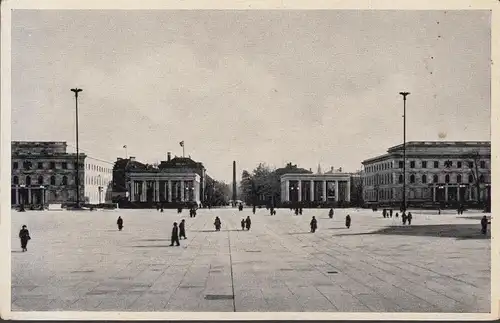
point(246, 223)
point(404, 217)
point(314, 223)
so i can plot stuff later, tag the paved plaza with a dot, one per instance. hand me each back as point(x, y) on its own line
point(79, 261)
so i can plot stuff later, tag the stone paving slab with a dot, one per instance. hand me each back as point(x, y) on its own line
point(79, 261)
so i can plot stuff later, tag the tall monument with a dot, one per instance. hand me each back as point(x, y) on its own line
point(234, 183)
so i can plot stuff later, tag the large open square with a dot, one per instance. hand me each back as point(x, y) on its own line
point(79, 261)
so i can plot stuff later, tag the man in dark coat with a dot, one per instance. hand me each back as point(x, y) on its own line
point(348, 221)
point(182, 229)
point(24, 235)
point(484, 225)
point(119, 222)
point(300, 211)
point(242, 224)
point(248, 223)
point(217, 223)
point(253, 209)
point(314, 224)
point(403, 217)
point(175, 235)
point(330, 213)
point(409, 217)
point(390, 213)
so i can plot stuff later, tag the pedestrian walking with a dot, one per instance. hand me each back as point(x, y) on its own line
point(175, 235)
point(403, 217)
point(253, 209)
point(409, 218)
point(217, 223)
point(182, 229)
point(242, 224)
point(390, 213)
point(119, 222)
point(397, 215)
point(348, 221)
point(314, 224)
point(484, 225)
point(300, 211)
point(248, 223)
point(24, 236)
point(330, 213)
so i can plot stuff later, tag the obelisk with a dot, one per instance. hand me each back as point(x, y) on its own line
point(234, 183)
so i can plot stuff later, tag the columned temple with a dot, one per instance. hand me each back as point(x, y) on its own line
point(330, 187)
point(164, 187)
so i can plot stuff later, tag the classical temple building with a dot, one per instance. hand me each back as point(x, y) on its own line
point(331, 186)
point(176, 180)
point(436, 173)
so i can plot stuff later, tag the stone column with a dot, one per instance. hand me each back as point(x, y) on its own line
point(169, 196)
point(434, 193)
point(196, 192)
point(458, 192)
point(157, 191)
point(17, 195)
point(446, 192)
point(348, 191)
point(336, 191)
point(29, 195)
point(299, 190)
point(324, 191)
point(132, 191)
point(183, 191)
point(312, 191)
point(470, 192)
point(287, 190)
point(143, 193)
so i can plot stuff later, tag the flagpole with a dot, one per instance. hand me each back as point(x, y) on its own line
point(126, 152)
point(183, 154)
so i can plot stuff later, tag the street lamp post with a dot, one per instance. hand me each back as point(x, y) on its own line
point(77, 179)
point(404, 94)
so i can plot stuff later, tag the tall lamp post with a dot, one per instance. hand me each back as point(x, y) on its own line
point(404, 94)
point(77, 179)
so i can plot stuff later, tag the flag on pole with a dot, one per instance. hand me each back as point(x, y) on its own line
point(124, 146)
point(182, 143)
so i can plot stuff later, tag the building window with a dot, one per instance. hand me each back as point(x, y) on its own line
point(400, 179)
point(424, 164)
point(459, 178)
point(471, 164)
point(15, 165)
point(435, 179)
point(27, 165)
point(412, 178)
point(482, 164)
point(459, 164)
point(448, 164)
point(65, 180)
point(447, 178)
point(40, 180)
point(15, 180)
point(28, 180)
point(424, 179)
point(481, 179)
point(40, 165)
point(52, 180)
point(52, 165)
point(401, 164)
point(471, 179)
point(436, 164)
point(412, 164)
point(64, 165)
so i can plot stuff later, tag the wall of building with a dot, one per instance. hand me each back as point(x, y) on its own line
point(98, 180)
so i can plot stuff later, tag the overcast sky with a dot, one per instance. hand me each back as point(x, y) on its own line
point(252, 86)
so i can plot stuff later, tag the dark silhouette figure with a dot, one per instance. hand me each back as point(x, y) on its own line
point(297, 211)
point(217, 223)
point(403, 217)
point(182, 229)
point(157, 207)
point(330, 214)
point(439, 211)
point(274, 211)
point(409, 218)
point(384, 213)
point(179, 210)
point(248, 223)
point(484, 225)
point(175, 235)
point(300, 211)
point(390, 213)
point(240, 207)
point(397, 215)
point(314, 224)
point(348, 221)
point(242, 224)
point(21, 208)
point(119, 222)
point(253, 209)
point(161, 208)
point(271, 211)
point(24, 235)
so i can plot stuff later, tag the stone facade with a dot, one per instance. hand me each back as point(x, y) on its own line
point(436, 172)
point(44, 173)
point(98, 178)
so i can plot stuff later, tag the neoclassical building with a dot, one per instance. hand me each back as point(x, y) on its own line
point(176, 180)
point(436, 172)
point(331, 186)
